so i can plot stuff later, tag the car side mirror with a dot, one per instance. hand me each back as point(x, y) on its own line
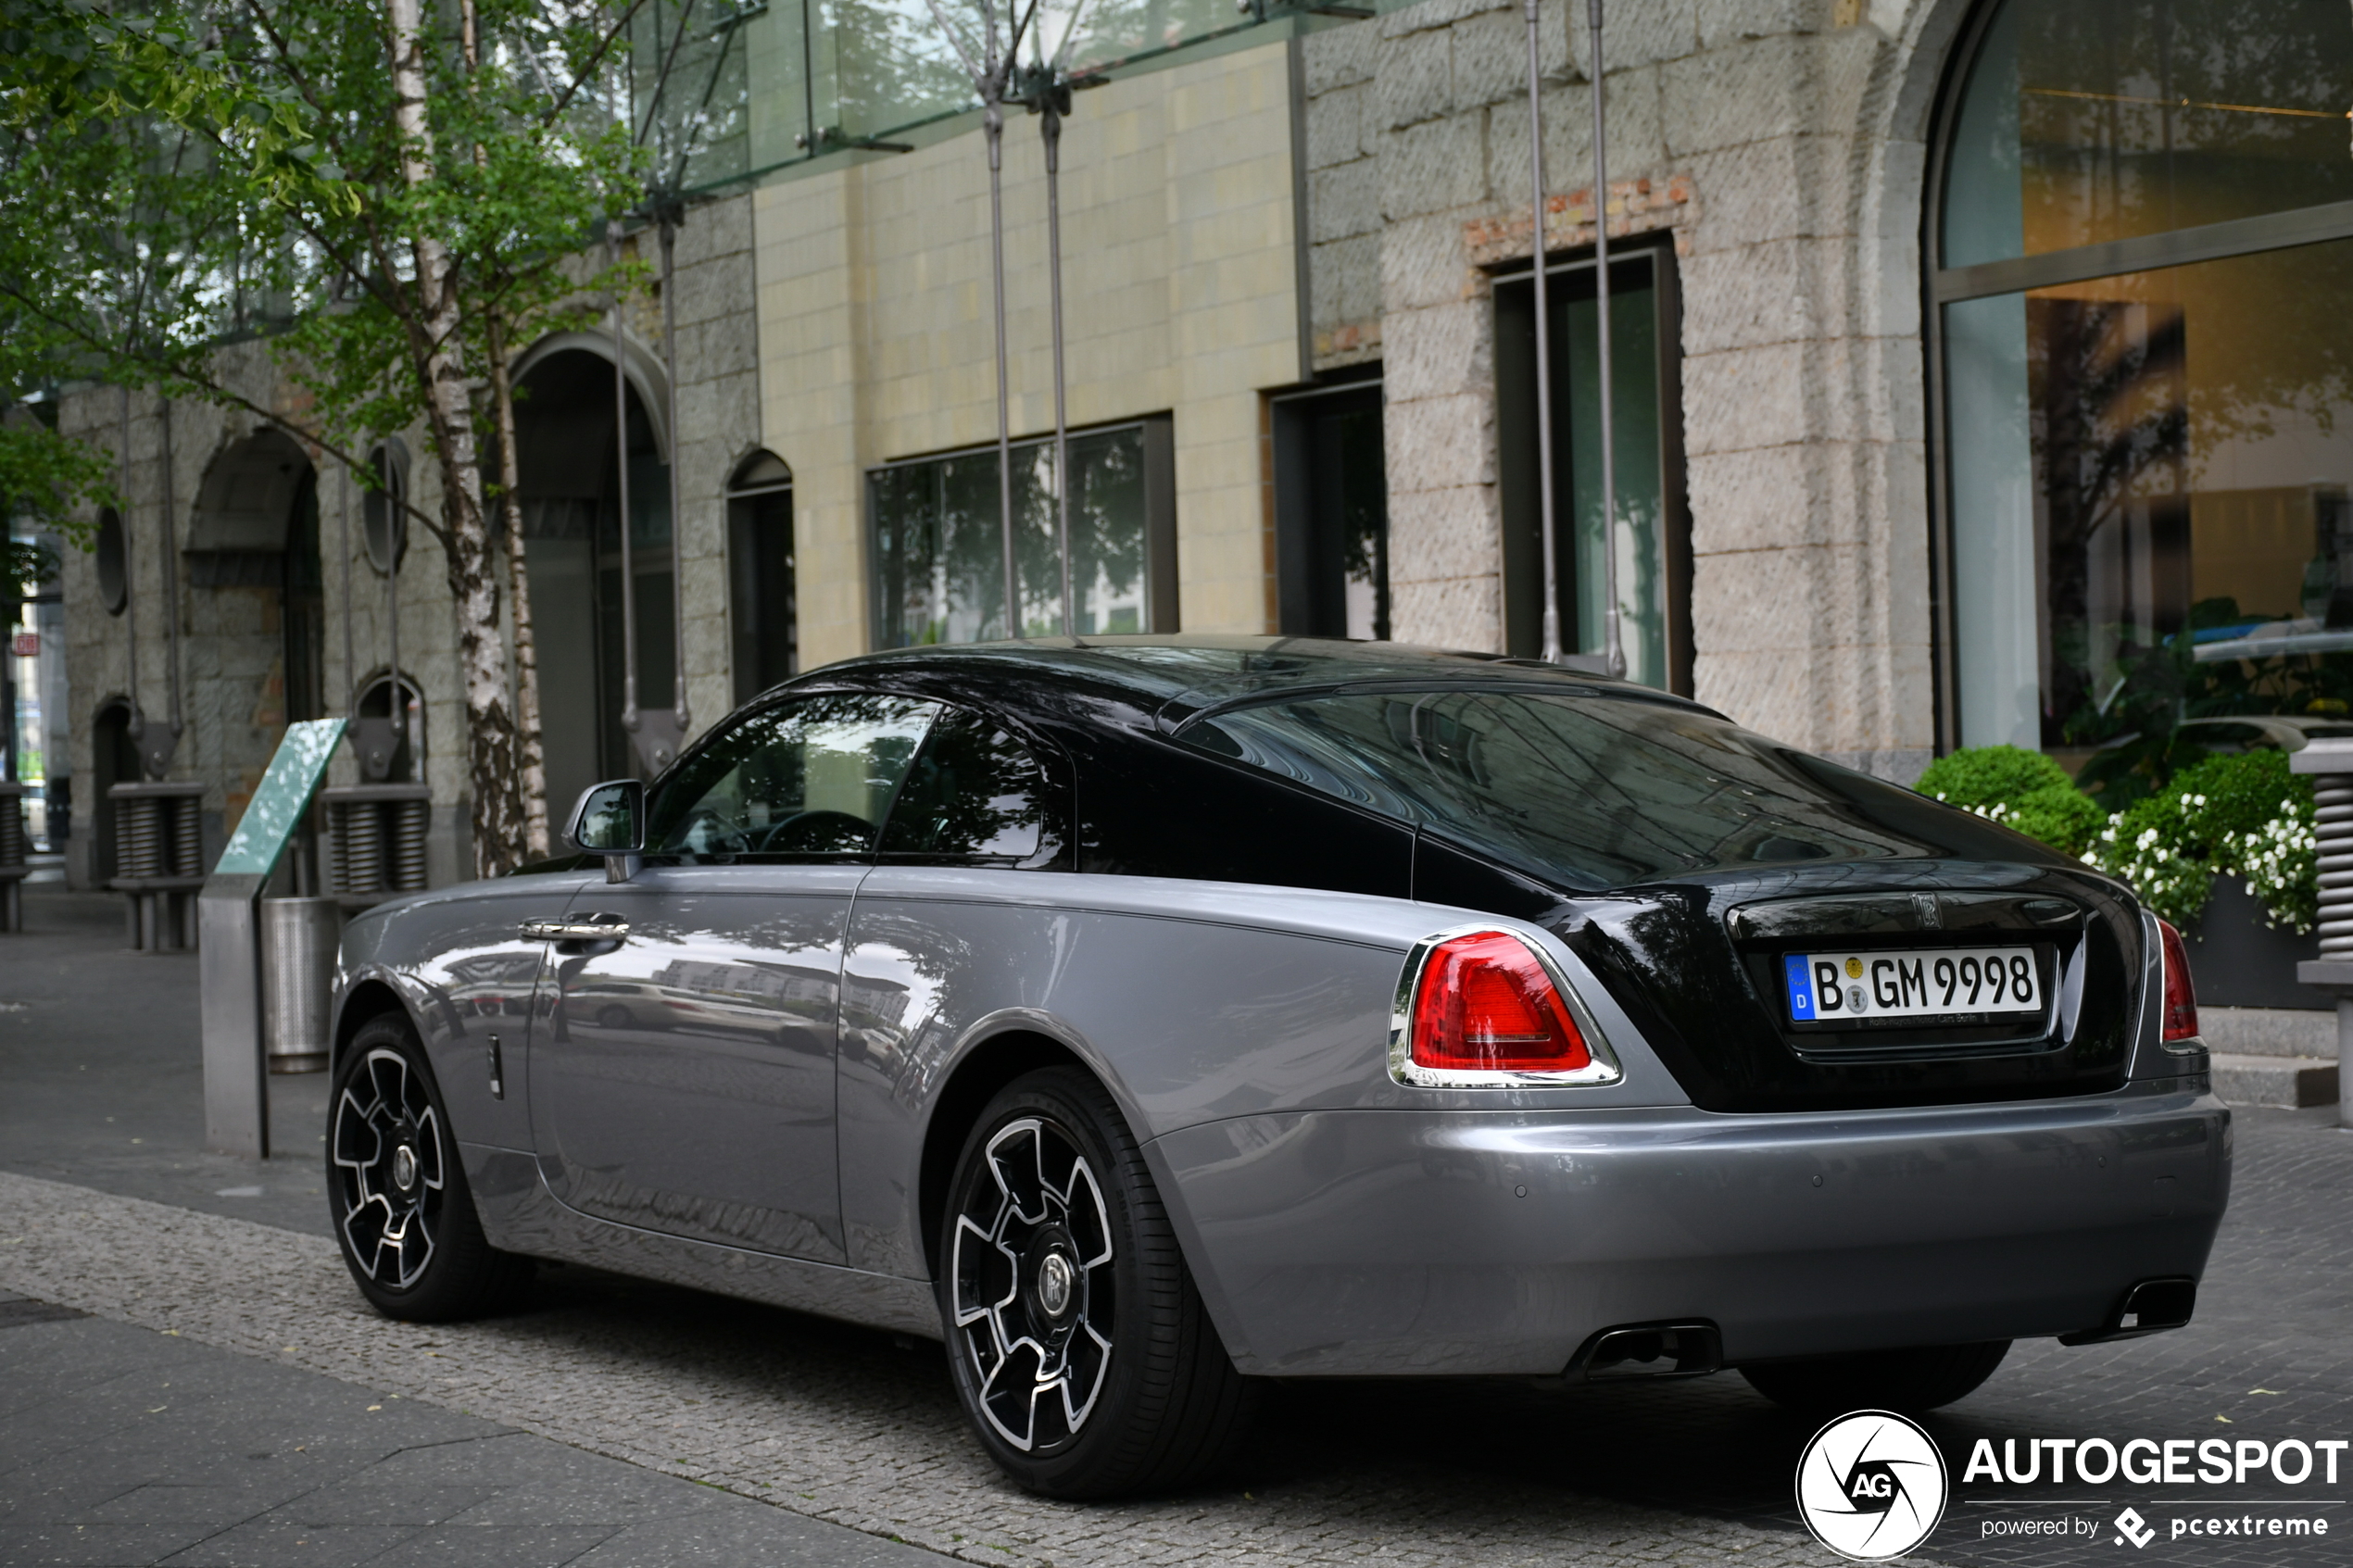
point(610, 819)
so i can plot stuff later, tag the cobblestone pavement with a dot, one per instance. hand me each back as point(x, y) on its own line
point(847, 1426)
point(828, 1421)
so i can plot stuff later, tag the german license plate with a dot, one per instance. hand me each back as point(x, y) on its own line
point(1922, 983)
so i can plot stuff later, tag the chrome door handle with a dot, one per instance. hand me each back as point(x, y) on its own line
point(594, 928)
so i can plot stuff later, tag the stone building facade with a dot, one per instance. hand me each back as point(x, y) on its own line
point(1297, 271)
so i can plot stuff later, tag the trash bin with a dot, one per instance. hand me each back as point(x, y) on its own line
point(298, 940)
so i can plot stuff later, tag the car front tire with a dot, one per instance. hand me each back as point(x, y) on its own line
point(1081, 1352)
point(403, 1214)
point(1922, 1379)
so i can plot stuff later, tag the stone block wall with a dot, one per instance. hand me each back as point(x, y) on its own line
point(233, 673)
point(1781, 143)
point(719, 426)
point(233, 700)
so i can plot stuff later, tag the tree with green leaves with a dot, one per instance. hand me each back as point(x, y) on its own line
point(385, 196)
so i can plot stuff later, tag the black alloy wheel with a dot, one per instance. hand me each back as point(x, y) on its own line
point(1081, 1352)
point(403, 1213)
point(1922, 1379)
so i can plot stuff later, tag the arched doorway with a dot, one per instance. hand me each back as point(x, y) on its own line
point(114, 758)
point(257, 609)
point(764, 614)
point(568, 462)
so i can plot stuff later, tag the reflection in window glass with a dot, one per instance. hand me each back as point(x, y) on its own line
point(939, 552)
point(1592, 792)
point(2091, 120)
point(1647, 483)
point(800, 779)
point(2150, 514)
point(974, 795)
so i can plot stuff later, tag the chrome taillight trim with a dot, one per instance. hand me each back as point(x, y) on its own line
point(1403, 1070)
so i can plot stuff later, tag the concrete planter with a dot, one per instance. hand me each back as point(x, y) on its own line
point(2241, 962)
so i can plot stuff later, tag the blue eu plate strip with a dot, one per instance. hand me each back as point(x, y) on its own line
point(1801, 989)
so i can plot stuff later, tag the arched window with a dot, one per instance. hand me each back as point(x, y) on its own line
point(384, 515)
point(2140, 240)
point(759, 569)
point(113, 563)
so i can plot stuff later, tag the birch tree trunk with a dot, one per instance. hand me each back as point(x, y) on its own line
point(502, 404)
point(490, 729)
point(534, 757)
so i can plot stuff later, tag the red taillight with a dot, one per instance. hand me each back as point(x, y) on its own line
point(1486, 1004)
point(2180, 994)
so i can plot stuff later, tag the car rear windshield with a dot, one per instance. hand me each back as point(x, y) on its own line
point(1587, 792)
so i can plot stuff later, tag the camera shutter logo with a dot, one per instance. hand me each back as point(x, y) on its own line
point(1872, 1485)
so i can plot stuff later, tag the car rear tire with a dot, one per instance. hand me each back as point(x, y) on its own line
point(403, 1213)
point(1922, 1379)
point(1079, 1347)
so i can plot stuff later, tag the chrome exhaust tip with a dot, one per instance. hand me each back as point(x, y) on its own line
point(1656, 1350)
point(2151, 1306)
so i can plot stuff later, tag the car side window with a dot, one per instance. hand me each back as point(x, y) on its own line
point(975, 793)
point(803, 780)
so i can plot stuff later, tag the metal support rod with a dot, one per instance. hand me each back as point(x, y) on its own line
point(396, 540)
point(989, 74)
point(137, 725)
point(994, 121)
point(621, 470)
point(1613, 633)
point(1050, 109)
point(807, 82)
point(1542, 285)
point(669, 232)
point(351, 652)
point(170, 581)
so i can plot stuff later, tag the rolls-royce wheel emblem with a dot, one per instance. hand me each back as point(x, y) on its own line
point(1054, 1280)
point(1872, 1485)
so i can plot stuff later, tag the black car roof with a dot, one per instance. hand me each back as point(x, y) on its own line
point(1174, 676)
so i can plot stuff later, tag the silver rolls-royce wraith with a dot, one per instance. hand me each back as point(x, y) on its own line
point(1149, 1018)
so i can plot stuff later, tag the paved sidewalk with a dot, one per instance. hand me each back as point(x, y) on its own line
point(102, 1054)
point(118, 1445)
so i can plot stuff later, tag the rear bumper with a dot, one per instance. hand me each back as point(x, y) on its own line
point(1401, 1242)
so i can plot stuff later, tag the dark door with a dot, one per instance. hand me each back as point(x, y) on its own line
point(687, 1081)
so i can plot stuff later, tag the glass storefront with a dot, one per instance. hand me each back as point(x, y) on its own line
point(2147, 345)
point(938, 541)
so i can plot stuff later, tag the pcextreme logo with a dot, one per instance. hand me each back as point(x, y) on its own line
point(1872, 1485)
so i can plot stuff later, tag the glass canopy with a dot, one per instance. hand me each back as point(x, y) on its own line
point(726, 92)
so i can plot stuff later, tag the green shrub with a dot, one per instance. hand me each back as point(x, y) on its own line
point(1980, 776)
point(2021, 789)
point(2245, 815)
point(2060, 815)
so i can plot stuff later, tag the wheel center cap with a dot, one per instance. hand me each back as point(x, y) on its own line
point(404, 1167)
point(1057, 1282)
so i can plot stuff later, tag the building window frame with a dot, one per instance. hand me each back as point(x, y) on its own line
point(1941, 286)
point(757, 574)
point(1160, 587)
point(1520, 549)
point(1300, 553)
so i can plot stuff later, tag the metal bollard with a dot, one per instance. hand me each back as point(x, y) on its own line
point(2331, 764)
point(298, 941)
